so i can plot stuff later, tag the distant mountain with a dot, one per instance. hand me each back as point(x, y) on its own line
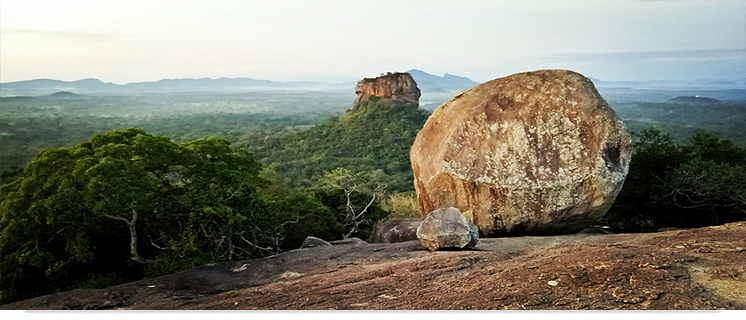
point(615, 84)
point(428, 83)
point(425, 81)
point(673, 84)
point(448, 83)
point(49, 86)
point(65, 95)
point(202, 84)
point(694, 100)
point(57, 85)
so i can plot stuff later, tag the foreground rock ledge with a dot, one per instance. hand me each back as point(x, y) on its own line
point(533, 153)
point(682, 269)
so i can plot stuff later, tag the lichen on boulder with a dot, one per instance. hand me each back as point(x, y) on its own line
point(532, 153)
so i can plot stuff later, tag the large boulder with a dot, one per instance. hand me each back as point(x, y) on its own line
point(532, 153)
point(389, 88)
point(447, 228)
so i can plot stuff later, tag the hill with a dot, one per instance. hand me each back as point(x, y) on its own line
point(48, 86)
point(733, 84)
point(89, 84)
point(694, 100)
point(428, 82)
point(683, 269)
point(64, 94)
point(448, 83)
point(371, 138)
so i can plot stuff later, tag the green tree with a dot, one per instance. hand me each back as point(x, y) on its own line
point(356, 197)
point(126, 195)
point(655, 155)
point(680, 185)
point(375, 137)
point(704, 192)
point(707, 147)
point(403, 204)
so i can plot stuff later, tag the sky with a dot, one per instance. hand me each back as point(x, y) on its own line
point(318, 40)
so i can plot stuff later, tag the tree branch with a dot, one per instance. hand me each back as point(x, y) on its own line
point(116, 218)
point(132, 225)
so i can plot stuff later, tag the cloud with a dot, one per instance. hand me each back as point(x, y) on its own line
point(651, 56)
point(82, 36)
point(685, 65)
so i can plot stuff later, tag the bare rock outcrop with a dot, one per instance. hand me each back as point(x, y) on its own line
point(389, 88)
point(688, 269)
point(532, 153)
point(447, 228)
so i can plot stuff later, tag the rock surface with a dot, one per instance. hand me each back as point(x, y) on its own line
point(389, 88)
point(533, 153)
point(693, 269)
point(447, 228)
point(397, 230)
point(313, 242)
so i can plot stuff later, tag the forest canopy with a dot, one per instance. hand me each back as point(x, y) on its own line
point(126, 204)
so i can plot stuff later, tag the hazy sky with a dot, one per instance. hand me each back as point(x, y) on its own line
point(133, 40)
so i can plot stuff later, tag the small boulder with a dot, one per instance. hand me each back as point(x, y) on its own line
point(312, 242)
point(352, 241)
point(397, 230)
point(447, 228)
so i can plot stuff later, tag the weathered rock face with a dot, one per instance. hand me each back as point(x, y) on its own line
point(390, 88)
point(532, 153)
point(447, 228)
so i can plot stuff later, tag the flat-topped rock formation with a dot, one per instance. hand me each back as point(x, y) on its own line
point(389, 88)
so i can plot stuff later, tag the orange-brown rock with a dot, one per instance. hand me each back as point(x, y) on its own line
point(389, 88)
point(532, 153)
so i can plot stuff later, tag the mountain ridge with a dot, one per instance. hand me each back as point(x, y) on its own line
point(433, 83)
point(428, 83)
point(448, 82)
point(90, 85)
